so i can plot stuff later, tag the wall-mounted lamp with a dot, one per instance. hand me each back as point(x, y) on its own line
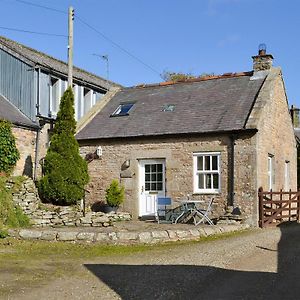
point(99, 151)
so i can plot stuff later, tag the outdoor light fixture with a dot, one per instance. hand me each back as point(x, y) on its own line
point(99, 151)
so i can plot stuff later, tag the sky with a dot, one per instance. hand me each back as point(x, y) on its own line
point(144, 38)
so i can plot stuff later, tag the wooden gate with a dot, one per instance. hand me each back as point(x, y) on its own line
point(278, 207)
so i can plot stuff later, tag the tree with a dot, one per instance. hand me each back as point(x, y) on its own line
point(9, 154)
point(65, 171)
point(179, 76)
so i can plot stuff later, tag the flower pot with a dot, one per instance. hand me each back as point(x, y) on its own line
point(107, 209)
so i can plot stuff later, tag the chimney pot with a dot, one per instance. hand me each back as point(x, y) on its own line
point(262, 61)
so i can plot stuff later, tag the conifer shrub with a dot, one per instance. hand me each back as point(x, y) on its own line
point(65, 171)
point(115, 194)
point(9, 154)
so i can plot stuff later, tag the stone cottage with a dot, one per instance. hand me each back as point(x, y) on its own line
point(31, 85)
point(222, 136)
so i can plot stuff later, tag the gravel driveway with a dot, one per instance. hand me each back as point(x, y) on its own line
point(261, 264)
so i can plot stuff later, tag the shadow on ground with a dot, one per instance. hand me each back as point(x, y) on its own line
point(204, 282)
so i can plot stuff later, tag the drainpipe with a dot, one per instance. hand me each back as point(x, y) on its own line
point(231, 171)
point(37, 147)
point(37, 142)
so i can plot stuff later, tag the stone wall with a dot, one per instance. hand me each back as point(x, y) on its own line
point(275, 137)
point(42, 215)
point(178, 156)
point(26, 143)
point(124, 237)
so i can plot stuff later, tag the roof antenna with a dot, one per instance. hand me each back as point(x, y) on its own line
point(104, 57)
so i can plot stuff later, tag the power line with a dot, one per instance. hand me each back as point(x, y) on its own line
point(33, 32)
point(119, 47)
point(98, 32)
point(42, 6)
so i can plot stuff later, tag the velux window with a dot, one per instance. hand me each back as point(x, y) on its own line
point(207, 172)
point(123, 110)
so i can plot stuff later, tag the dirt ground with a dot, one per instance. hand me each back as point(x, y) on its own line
point(259, 264)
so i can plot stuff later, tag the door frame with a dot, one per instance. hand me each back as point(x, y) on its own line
point(141, 180)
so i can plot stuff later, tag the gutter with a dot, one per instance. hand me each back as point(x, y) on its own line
point(167, 135)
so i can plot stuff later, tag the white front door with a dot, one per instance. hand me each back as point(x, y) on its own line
point(151, 185)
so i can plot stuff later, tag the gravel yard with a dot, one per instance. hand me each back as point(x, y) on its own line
point(258, 264)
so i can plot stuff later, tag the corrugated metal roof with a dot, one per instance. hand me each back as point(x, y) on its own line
point(215, 105)
point(11, 113)
point(42, 59)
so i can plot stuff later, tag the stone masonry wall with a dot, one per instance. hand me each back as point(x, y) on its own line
point(178, 155)
point(43, 215)
point(25, 142)
point(275, 136)
point(275, 132)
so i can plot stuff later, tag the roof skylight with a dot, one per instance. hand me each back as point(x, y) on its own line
point(122, 110)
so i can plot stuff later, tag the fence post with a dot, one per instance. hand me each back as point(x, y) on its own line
point(261, 208)
point(298, 206)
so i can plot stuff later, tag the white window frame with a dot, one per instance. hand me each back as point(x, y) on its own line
point(57, 87)
point(270, 171)
point(287, 175)
point(196, 172)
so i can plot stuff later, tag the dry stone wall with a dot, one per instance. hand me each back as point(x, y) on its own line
point(42, 215)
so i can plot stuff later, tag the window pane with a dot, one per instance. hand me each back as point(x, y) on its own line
point(153, 187)
point(153, 177)
point(159, 177)
point(208, 181)
point(215, 163)
point(147, 177)
point(200, 163)
point(159, 186)
point(147, 168)
point(207, 163)
point(201, 181)
point(215, 181)
point(153, 168)
point(159, 168)
point(147, 186)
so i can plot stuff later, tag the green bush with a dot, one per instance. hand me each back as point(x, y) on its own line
point(65, 171)
point(9, 153)
point(115, 194)
point(10, 214)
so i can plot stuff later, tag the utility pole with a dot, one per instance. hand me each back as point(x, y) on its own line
point(70, 47)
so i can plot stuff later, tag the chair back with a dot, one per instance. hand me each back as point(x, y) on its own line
point(164, 201)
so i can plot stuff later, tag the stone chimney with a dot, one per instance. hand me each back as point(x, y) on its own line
point(262, 61)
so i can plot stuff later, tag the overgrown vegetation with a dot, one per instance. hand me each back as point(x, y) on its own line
point(65, 171)
point(115, 194)
point(179, 76)
point(9, 153)
point(10, 215)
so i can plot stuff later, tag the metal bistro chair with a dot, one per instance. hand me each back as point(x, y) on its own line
point(165, 214)
point(203, 214)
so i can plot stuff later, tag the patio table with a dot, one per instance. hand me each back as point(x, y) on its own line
point(189, 208)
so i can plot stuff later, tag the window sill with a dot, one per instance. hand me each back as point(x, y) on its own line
point(206, 192)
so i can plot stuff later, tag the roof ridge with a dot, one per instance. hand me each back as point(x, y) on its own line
point(198, 79)
point(4, 40)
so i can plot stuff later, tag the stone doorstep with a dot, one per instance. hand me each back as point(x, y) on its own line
point(124, 237)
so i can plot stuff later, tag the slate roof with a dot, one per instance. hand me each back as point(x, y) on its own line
point(41, 59)
point(11, 113)
point(222, 103)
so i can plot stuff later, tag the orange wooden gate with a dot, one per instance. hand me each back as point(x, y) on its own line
point(278, 207)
